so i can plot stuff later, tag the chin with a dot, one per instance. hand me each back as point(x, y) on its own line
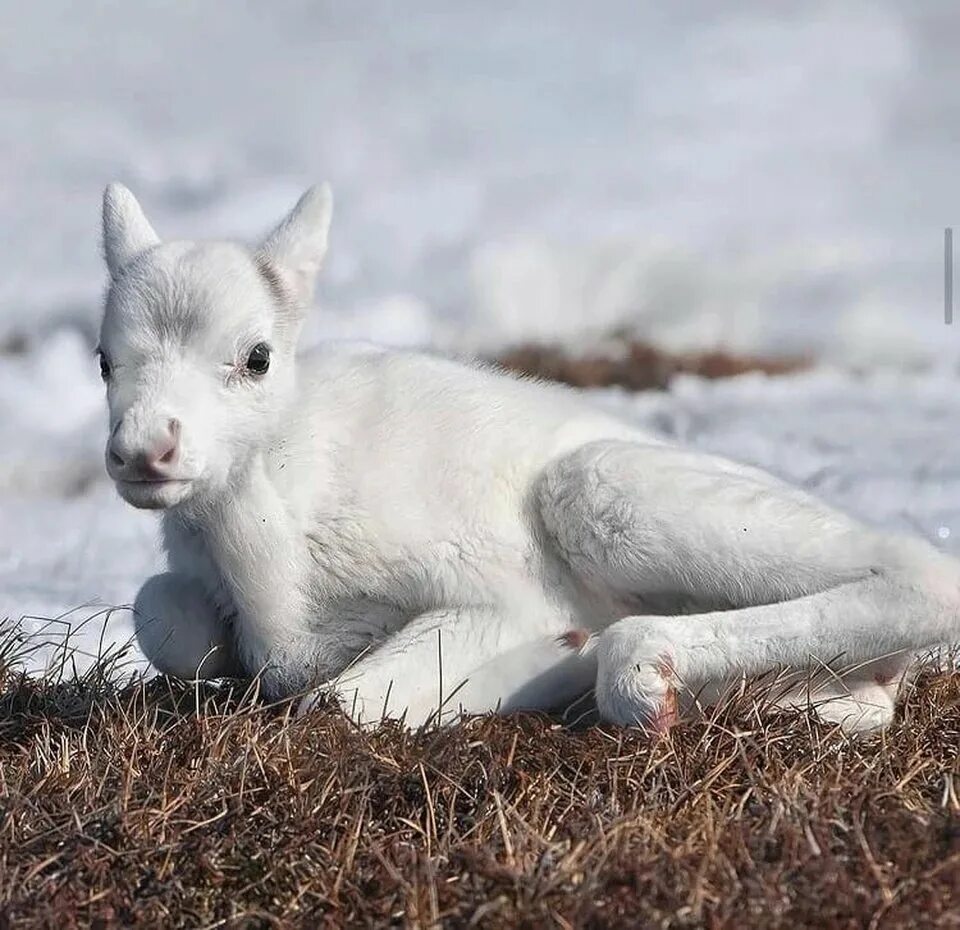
point(155, 495)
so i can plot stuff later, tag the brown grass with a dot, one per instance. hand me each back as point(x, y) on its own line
point(163, 806)
point(637, 365)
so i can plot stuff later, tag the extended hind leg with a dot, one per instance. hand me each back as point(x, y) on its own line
point(644, 662)
point(770, 577)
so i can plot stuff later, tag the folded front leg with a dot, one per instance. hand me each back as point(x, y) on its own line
point(180, 632)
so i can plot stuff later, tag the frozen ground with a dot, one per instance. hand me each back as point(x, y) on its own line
point(502, 171)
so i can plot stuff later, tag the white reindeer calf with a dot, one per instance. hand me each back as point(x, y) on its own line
point(403, 530)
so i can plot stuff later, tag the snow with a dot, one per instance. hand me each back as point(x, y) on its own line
point(755, 179)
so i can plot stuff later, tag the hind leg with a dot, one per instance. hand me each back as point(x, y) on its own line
point(645, 662)
point(736, 573)
point(859, 700)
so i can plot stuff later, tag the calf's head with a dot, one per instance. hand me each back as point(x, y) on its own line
point(197, 346)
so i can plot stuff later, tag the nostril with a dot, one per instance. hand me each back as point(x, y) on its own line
point(114, 458)
point(167, 457)
point(167, 453)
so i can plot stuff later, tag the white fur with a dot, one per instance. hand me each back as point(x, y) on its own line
point(414, 533)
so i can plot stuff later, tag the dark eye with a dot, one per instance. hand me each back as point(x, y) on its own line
point(258, 361)
point(104, 365)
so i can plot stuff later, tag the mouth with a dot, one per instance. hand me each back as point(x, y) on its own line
point(153, 493)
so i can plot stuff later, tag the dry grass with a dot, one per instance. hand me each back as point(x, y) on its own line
point(160, 805)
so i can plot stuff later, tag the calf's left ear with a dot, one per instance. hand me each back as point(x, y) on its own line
point(295, 249)
point(126, 231)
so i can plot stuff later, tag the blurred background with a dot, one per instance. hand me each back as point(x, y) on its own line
point(762, 178)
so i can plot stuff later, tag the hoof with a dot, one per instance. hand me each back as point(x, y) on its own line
point(642, 694)
point(666, 716)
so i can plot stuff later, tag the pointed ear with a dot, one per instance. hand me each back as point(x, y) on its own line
point(295, 249)
point(126, 231)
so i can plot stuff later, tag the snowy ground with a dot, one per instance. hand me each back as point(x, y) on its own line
point(502, 171)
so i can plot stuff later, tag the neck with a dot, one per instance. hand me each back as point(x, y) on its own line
point(256, 545)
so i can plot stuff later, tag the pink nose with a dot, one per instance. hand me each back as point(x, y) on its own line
point(155, 462)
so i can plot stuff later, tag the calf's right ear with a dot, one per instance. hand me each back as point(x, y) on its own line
point(126, 231)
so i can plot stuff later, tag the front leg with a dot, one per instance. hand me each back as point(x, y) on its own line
point(180, 632)
point(468, 659)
